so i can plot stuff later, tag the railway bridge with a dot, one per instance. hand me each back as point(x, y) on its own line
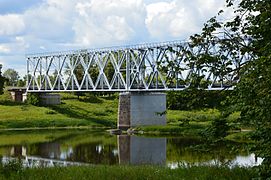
point(141, 73)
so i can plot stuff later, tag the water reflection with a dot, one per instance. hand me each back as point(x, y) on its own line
point(85, 147)
point(142, 150)
point(94, 153)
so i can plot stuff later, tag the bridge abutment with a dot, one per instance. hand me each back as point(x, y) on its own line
point(140, 109)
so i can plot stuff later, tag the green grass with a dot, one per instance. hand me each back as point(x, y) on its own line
point(126, 172)
point(75, 136)
point(99, 111)
point(191, 123)
point(94, 112)
point(187, 123)
point(25, 137)
point(186, 130)
point(205, 115)
point(88, 110)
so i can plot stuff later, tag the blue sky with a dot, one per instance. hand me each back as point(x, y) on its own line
point(34, 26)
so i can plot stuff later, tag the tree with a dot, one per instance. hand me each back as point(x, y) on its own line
point(2, 81)
point(21, 83)
point(253, 91)
point(249, 33)
point(12, 77)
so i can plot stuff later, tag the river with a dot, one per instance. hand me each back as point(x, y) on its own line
point(82, 147)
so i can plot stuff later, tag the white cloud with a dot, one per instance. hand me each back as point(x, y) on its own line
point(16, 46)
point(52, 20)
point(209, 7)
point(59, 24)
point(179, 19)
point(42, 47)
point(16, 62)
point(55, 25)
point(11, 24)
point(12, 54)
point(4, 49)
point(109, 22)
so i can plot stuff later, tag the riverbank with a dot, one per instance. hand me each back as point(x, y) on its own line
point(91, 111)
point(14, 171)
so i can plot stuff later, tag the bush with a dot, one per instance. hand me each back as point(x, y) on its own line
point(50, 112)
point(12, 167)
point(191, 99)
point(34, 99)
point(217, 130)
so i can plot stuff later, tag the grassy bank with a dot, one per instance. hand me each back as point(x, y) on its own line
point(14, 171)
point(193, 123)
point(87, 111)
point(101, 111)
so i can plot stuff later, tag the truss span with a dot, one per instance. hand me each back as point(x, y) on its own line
point(164, 66)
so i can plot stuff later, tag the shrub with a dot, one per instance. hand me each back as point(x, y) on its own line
point(11, 167)
point(50, 112)
point(191, 99)
point(217, 130)
point(34, 99)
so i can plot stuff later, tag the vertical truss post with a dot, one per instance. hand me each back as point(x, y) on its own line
point(46, 74)
point(40, 75)
point(27, 72)
point(127, 70)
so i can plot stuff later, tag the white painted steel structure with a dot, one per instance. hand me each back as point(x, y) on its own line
point(164, 66)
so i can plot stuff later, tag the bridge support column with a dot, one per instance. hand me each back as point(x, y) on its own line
point(140, 109)
point(50, 99)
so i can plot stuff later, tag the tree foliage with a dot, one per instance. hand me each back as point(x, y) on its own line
point(12, 77)
point(192, 98)
point(249, 32)
point(2, 81)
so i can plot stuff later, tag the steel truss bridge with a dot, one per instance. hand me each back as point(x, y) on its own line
point(175, 65)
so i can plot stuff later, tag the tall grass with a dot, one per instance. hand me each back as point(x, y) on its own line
point(14, 171)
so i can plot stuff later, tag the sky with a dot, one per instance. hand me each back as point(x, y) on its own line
point(37, 26)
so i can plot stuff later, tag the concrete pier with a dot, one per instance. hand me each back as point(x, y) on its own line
point(140, 109)
point(50, 99)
